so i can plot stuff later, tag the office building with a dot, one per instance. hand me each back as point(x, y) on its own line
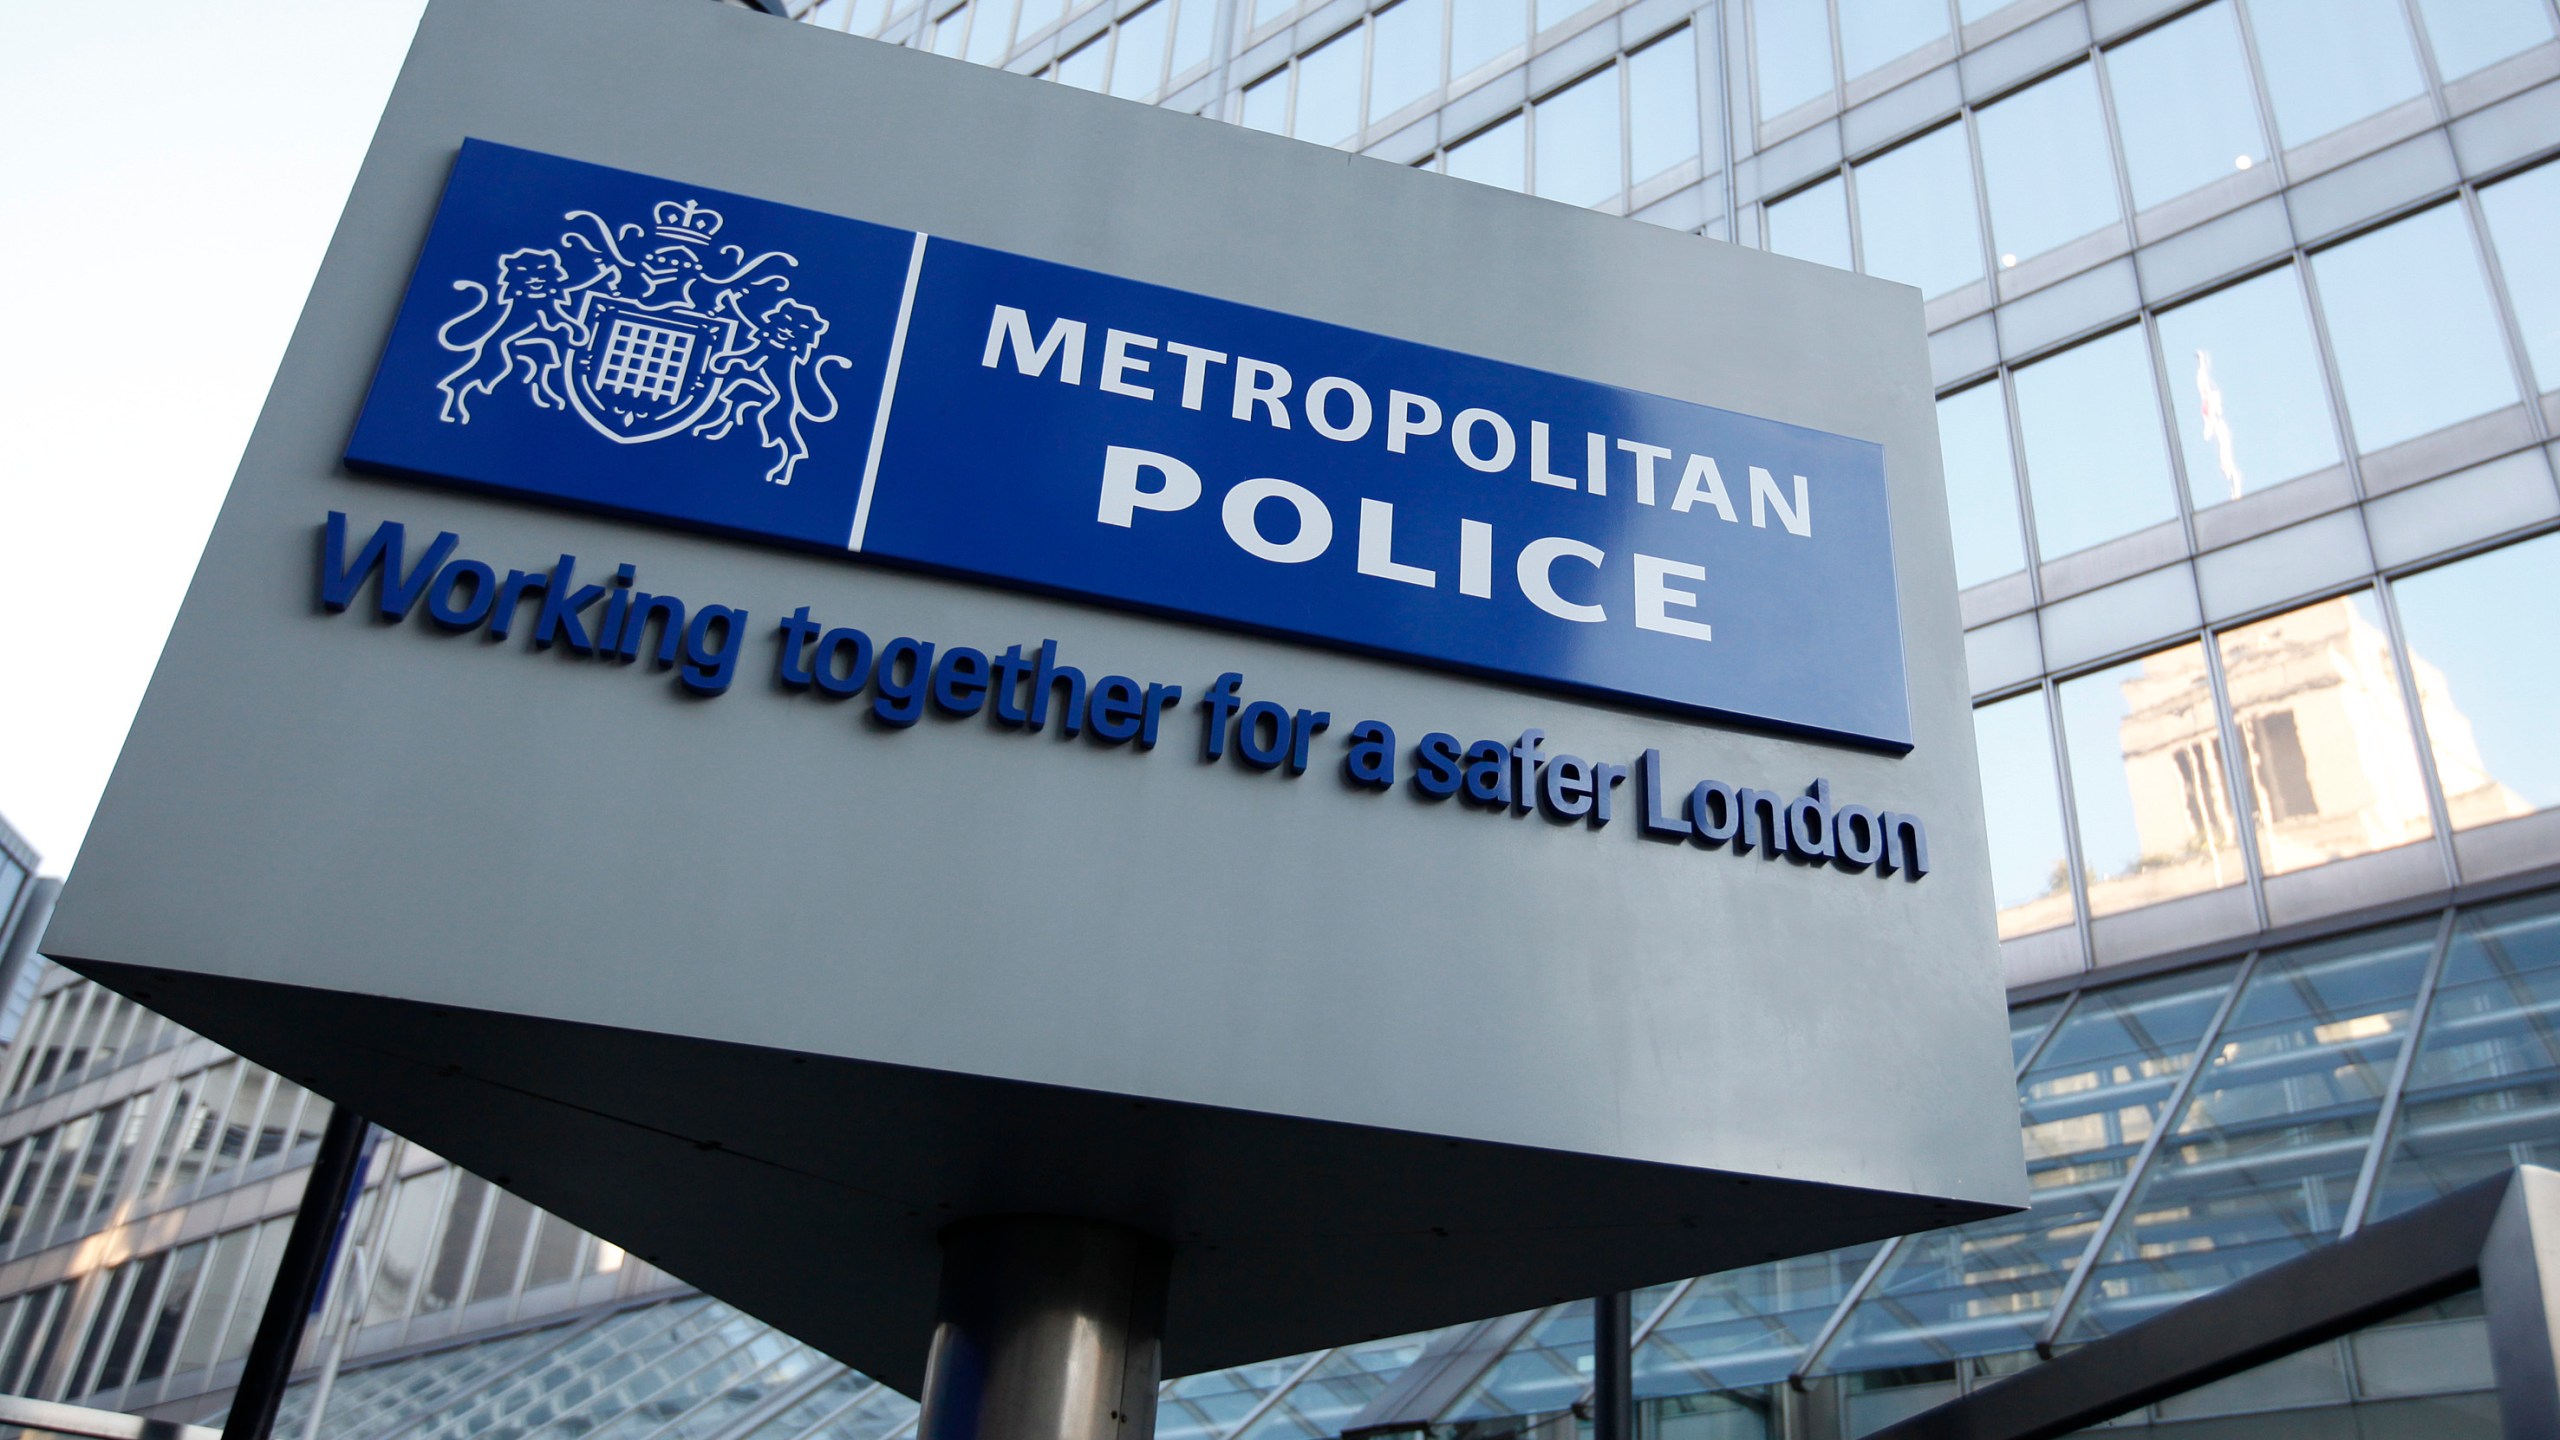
point(2245, 322)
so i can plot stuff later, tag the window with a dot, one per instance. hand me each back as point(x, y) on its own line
point(414, 1210)
point(1265, 105)
point(555, 1253)
point(1328, 110)
point(2418, 343)
point(2469, 35)
point(1813, 224)
point(2186, 109)
point(2148, 782)
point(222, 1277)
point(1875, 31)
point(1036, 16)
point(2524, 215)
point(2324, 734)
point(1915, 214)
point(1195, 29)
point(2045, 166)
point(2244, 377)
point(255, 1282)
point(1483, 31)
point(951, 32)
point(1793, 42)
point(1662, 105)
point(2090, 422)
point(2330, 63)
point(171, 1312)
point(2022, 808)
point(1555, 12)
point(502, 1255)
point(1982, 484)
point(1083, 69)
point(453, 1253)
point(1577, 141)
point(1498, 156)
point(2484, 650)
point(1404, 60)
point(990, 36)
point(1137, 57)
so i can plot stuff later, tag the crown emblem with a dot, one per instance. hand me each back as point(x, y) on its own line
point(690, 223)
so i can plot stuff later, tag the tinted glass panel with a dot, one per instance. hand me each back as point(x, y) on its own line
point(1875, 31)
point(989, 37)
point(2469, 34)
point(1482, 30)
point(1497, 157)
point(2186, 109)
point(2417, 339)
point(1813, 224)
point(1083, 70)
point(1137, 62)
point(2244, 374)
point(2332, 767)
point(2524, 216)
point(2022, 808)
point(1195, 28)
point(2045, 165)
point(2259, 1166)
point(2484, 1094)
point(1916, 216)
point(2484, 649)
point(1794, 44)
point(1329, 91)
point(2148, 782)
point(2089, 421)
point(2330, 63)
point(1405, 63)
point(1577, 133)
point(1982, 484)
point(1662, 105)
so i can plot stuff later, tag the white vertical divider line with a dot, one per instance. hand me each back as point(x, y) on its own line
point(888, 392)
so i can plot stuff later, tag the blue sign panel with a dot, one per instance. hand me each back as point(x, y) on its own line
point(606, 339)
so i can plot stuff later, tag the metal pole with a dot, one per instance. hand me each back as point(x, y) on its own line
point(1048, 1328)
point(307, 1252)
point(1613, 1367)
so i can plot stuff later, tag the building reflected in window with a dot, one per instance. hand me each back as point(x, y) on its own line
point(2150, 782)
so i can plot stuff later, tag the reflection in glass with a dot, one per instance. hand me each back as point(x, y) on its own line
point(1875, 31)
point(2148, 782)
point(1793, 40)
point(2468, 35)
point(2484, 649)
point(1746, 1327)
point(2484, 1093)
point(2245, 377)
point(2330, 63)
point(1982, 484)
point(1544, 1372)
point(950, 32)
point(2186, 108)
point(1206, 1405)
point(2089, 423)
point(2524, 215)
point(1329, 91)
point(2324, 736)
point(2045, 166)
point(988, 37)
point(1137, 65)
point(1404, 63)
point(2416, 336)
point(2027, 1025)
point(1333, 1394)
point(2260, 1165)
point(2022, 809)
point(1813, 224)
point(1662, 105)
point(1494, 157)
point(1266, 106)
point(1193, 30)
point(2086, 1108)
point(1480, 31)
point(1916, 215)
point(1578, 141)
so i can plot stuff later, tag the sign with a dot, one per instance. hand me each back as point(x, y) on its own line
point(575, 805)
point(612, 340)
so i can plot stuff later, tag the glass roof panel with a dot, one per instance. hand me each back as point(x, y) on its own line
point(1545, 1370)
point(1746, 1327)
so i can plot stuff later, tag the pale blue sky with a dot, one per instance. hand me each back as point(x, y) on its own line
point(171, 176)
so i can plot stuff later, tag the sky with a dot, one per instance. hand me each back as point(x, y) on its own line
point(171, 177)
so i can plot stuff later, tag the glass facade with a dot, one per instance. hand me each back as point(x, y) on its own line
point(2244, 322)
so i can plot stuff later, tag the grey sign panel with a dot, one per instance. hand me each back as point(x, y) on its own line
point(770, 991)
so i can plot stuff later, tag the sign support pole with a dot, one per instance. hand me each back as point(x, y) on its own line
point(1048, 1328)
point(1613, 1400)
point(335, 1172)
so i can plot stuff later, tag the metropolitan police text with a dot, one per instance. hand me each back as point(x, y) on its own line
point(1144, 367)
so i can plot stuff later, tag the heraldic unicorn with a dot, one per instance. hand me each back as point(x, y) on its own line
point(642, 349)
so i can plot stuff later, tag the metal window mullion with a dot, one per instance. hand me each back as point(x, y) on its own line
point(1271, 1401)
point(719, 1353)
point(2272, 129)
point(2386, 1120)
point(2153, 348)
point(498, 1380)
point(785, 1403)
point(2430, 71)
point(115, 1291)
point(478, 1253)
point(1640, 1332)
point(2074, 862)
point(2243, 787)
point(160, 1284)
point(1802, 1369)
point(2519, 362)
point(2171, 1110)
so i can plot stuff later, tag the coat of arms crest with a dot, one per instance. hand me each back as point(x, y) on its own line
point(634, 331)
